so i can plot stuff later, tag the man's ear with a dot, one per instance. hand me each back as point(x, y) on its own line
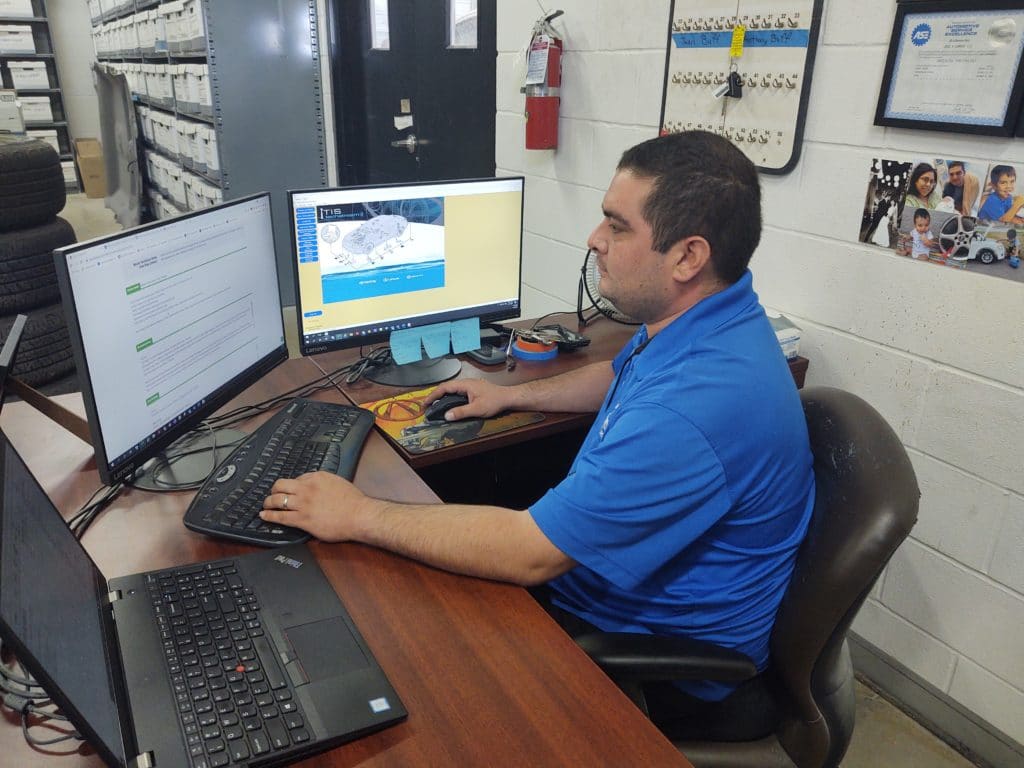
point(690, 257)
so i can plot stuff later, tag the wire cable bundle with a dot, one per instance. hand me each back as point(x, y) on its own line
point(352, 372)
point(82, 519)
point(25, 696)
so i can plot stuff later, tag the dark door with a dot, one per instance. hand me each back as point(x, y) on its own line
point(419, 74)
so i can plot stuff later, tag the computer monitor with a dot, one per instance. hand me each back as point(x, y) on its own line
point(372, 260)
point(169, 321)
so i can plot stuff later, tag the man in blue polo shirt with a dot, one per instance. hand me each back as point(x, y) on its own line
point(685, 506)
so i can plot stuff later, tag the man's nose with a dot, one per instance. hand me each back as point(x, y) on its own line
point(596, 242)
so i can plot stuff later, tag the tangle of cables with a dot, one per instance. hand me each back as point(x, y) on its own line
point(351, 373)
point(23, 695)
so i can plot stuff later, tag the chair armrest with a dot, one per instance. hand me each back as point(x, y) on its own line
point(636, 656)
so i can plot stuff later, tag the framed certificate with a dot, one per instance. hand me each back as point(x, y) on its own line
point(955, 65)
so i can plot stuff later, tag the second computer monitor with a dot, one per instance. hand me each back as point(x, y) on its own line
point(169, 321)
point(376, 259)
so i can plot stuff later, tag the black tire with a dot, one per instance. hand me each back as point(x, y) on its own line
point(62, 386)
point(27, 276)
point(31, 183)
point(45, 350)
point(986, 255)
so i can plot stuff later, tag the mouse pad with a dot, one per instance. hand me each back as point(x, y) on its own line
point(401, 419)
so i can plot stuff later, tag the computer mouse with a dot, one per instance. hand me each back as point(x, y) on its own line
point(437, 409)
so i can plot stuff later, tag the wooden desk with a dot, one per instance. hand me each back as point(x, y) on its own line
point(488, 678)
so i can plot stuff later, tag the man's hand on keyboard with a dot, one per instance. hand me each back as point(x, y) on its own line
point(321, 503)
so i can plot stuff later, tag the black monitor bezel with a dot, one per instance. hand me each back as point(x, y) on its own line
point(9, 352)
point(109, 471)
point(504, 313)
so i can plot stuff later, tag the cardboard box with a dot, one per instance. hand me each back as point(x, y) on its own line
point(89, 156)
point(29, 74)
point(788, 334)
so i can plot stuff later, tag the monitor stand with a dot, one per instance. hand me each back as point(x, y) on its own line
point(188, 461)
point(431, 370)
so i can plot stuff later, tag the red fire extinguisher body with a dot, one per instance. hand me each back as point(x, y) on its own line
point(543, 100)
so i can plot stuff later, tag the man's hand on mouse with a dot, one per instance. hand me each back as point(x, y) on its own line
point(320, 503)
point(485, 399)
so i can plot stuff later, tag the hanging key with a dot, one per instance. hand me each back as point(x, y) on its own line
point(735, 83)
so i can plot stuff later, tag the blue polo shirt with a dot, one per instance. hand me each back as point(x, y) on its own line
point(692, 492)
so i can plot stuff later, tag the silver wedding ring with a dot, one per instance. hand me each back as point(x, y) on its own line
point(284, 503)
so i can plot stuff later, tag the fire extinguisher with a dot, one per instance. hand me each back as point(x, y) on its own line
point(543, 82)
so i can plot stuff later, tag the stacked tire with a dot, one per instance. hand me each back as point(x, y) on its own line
point(32, 193)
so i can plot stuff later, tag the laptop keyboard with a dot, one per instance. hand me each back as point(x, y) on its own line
point(234, 701)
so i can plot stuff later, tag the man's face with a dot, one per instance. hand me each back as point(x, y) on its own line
point(956, 176)
point(635, 277)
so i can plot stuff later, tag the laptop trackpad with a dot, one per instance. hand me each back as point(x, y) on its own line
point(325, 649)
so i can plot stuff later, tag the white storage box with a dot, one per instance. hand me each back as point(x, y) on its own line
point(67, 167)
point(18, 8)
point(11, 120)
point(48, 135)
point(787, 333)
point(29, 74)
point(36, 109)
point(16, 38)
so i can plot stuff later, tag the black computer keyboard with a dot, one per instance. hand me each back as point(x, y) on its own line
point(304, 436)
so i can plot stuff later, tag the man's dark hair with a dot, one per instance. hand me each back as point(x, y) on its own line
point(1002, 170)
point(922, 213)
point(954, 163)
point(705, 186)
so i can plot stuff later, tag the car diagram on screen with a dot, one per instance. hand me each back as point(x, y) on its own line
point(386, 239)
point(381, 248)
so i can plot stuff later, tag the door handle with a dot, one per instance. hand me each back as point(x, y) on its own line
point(410, 143)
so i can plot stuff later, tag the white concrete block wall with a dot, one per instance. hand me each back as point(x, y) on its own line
point(937, 351)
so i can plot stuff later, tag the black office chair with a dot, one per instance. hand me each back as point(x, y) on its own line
point(867, 500)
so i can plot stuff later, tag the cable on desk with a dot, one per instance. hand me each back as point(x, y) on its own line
point(244, 412)
point(82, 519)
point(353, 372)
point(169, 461)
point(220, 422)
point(549, 314)
point(25, 696)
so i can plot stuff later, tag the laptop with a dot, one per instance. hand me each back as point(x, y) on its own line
point(251, 660)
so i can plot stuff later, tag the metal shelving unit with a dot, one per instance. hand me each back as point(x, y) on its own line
point(15, 74)
point(262, 65)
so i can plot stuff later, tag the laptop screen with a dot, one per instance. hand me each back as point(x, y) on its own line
point(50, 598)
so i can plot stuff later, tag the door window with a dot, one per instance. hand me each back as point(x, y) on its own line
point(462, 23)
point(380, 29)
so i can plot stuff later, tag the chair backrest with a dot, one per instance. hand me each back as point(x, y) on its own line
point(866, 504)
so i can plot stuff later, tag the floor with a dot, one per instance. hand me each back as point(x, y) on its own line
point(884, 736)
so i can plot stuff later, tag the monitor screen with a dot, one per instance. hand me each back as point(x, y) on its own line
point(372, 260)
point(168, 322)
